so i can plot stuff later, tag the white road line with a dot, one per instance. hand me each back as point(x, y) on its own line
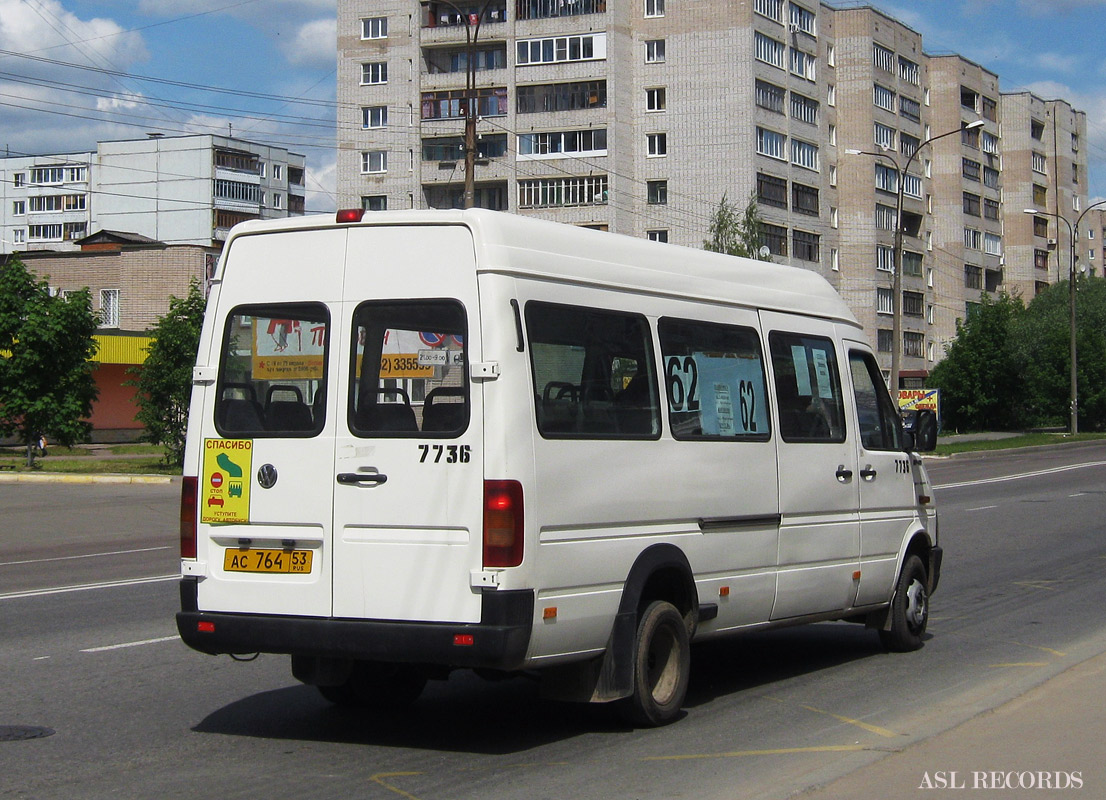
point(982, 508)
point(1021, 475)
point(87, 586)
point(87, 555)
point(130, 644)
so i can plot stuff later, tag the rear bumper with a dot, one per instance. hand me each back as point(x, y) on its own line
point(498, 641)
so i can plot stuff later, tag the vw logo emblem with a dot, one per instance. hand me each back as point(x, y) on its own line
point(267, 476)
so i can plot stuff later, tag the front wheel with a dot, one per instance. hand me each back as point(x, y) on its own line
point(662, 663)
point(909, 609)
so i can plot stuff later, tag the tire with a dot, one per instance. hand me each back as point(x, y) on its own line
point(909, 609)
point(385, 687)
point(662, 664)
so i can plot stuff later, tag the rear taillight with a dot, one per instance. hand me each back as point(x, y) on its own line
point(349, 214)
point(188, 517)
point(502, 523)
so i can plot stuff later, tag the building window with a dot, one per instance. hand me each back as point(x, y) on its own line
point(375, 202)
point(973, 239)
point(770, 143)
point(913, 344)
point(884, 136)
point(373, 117)
point(990, 209)
point(374, 162)
point(19, 179)
point(970, 169)
point(773, 9)
point(804, 199)
point(988, 143)
point(657, 144)
point(19, 235)
point(774, 238)
point(657, 192)
point(912, 186)
point(659, 235)
point(909, 71)
point(806, 245)
point(590, 142)
point(1037, 130)
point(804, 108)
point(451, 103)
point(883, 58)
point(41, 175)
point(1039, 164)
point(560, 97)
point(237, 190)
point(770, 96)
point(802, 19)
point(885, 217)
point(992, 244)
point(71, 231)
point(1040, 226)
point(654, 8)
point(450, 60)
point(887, 178)
point(109, 308)
point(654, 51)
point(561, 192)
point(973, 277)
point(911, 264)
point(990, 177)
point(374, 28)
point(19, 208)
point(802, 64)
point(908, 145)
point(910, 109)
point(973, 206)
point(885, 258)
point(884, 340)
point(374, 73)
point(804, 154)
point(883, 98)
point(913, 304)
point(561, 49)
point(885, 301)
point(656, 99)
point(771, 191)
point(548, 9)
point(768, 50)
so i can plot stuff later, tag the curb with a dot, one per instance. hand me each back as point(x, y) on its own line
point(65, 477)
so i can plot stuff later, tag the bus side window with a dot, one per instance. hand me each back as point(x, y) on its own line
point(808, 388)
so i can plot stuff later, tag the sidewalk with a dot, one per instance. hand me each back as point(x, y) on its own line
point(1047, 741)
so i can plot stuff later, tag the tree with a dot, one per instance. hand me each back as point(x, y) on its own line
point(736, 232)
point(46, 384)
point(1042, 341)
point(980, 374)
point(164, 380)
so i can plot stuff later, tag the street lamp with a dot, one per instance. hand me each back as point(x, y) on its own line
point(896, 290)
point(1073, 233)
point(472, 32)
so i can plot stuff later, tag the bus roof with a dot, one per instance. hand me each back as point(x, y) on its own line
point(510, 244)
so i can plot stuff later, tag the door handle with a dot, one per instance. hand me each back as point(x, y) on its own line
point(868, 473)
point(361, 477)
point(844, 475)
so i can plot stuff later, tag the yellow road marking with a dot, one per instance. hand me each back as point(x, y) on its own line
point(864, 725)
point(1041, 648)
point(783, 751)
point(380, 776)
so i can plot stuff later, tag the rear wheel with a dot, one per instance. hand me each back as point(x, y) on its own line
point(909, 609)
point(387, 687)
point(662, 662)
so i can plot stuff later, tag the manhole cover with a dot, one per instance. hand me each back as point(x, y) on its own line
point(16, 733)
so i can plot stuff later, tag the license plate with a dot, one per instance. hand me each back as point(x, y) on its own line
point(251, 560)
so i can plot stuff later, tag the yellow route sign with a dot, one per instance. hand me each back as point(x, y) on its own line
point(225, 492)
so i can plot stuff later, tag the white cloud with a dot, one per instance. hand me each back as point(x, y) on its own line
point(314, 44)
point(1057, 62)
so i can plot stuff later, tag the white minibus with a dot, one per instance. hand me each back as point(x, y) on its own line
point(429, 440)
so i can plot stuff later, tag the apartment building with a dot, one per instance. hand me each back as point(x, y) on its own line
point(177, 190)
point(639, 117)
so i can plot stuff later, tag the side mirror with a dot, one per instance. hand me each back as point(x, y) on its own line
point(920, 432)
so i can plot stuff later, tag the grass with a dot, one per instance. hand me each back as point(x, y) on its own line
point(129, 459)
point(1011, 442)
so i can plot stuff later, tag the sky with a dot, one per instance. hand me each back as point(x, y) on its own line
point(74, 72)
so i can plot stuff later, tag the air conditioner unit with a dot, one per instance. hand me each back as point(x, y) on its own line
point(1051, 242)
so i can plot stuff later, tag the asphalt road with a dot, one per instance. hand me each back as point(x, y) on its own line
point(89, 652)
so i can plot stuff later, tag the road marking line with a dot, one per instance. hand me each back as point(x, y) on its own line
point(1020, 664)
point(379, 779)
point(87, 586)
point(783, 751)
point(1039, 647)
point(1019, 476)
point(88, 555)
point(130, 644)
point(864, 725)
point(982, 508)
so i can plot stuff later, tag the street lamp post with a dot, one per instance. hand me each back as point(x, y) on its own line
point(1073, 233)
point(896, 278)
